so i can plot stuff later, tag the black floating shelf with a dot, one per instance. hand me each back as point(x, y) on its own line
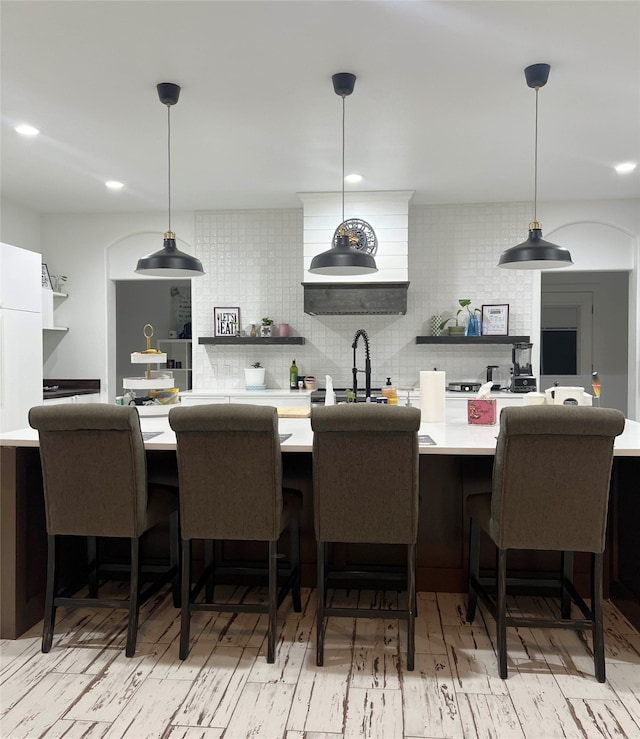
point(251, 340)
point(472, 340)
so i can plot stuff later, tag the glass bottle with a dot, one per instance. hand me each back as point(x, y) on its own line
point(390, 393)
point(293, 376)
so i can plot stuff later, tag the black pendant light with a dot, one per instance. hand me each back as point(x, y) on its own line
point(535, 252)
point(343, 258)
point(169, 261)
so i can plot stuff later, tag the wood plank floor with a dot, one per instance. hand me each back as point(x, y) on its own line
point(85, 688)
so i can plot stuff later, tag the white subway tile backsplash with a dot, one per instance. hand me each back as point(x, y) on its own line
point(254, 259)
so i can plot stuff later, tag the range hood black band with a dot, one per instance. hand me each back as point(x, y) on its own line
point(355, 298)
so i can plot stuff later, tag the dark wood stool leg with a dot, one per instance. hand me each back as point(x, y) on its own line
point(174, 557)
point(92, 564)
point(185, 604)
point(322, 595)
point(49, 607)
point(273, 601)
point(134, 598)
point(294, 545)
point(411, 598)
point(596, 611)
point(474, 569)
point(210, 566)
point(567, 576)
point(501, 611)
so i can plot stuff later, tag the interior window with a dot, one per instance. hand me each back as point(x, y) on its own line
point(559, 351)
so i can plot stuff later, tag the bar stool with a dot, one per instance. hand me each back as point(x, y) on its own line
point(550, 492)
point(95, 485)
point(365, 489)
point(230, 476)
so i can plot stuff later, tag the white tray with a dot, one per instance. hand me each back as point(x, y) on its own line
point(142, 358)
point(141, 383)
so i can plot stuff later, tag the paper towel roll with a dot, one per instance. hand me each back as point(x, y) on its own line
point(432, 386)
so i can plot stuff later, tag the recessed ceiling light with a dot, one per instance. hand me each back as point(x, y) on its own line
point(625, 167)
point(114, 185)
point(26, 130)
point(353, 179)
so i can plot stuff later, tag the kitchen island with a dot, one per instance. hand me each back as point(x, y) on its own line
point(455, 460)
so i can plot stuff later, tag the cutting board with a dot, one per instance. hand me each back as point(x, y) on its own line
point(294, 412)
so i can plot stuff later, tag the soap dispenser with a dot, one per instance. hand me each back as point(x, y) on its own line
point(390, 392)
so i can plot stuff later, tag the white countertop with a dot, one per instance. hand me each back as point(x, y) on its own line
point(455, 436)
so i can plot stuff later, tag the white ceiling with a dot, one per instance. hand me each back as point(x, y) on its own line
point(440, 106)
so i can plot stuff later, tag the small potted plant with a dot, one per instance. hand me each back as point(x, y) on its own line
point(254, 377)
point(473, 326)
point(265, 328)
point(59, 283)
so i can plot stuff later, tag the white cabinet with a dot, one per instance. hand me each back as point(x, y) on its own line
point(277, 401)
point(88, 398)
point(277, 398)
point(178, 353)
point(20, 335)
point(189, 400)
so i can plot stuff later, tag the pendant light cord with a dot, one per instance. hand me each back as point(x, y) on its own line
point(535, 166)
point(343, 117)
point(169, 160)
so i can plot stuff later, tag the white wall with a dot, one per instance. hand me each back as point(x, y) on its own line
point(604, 235)
point(20, 226)
point(81, 247)
point(254, 259)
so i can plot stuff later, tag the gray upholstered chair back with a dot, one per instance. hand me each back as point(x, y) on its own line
point(551, 477)
point(94, 469)
point(229, 471)
point(365, 473)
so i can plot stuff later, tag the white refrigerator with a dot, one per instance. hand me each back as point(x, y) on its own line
point(20, 335)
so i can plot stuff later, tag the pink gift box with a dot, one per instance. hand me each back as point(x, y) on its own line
point(481, 412)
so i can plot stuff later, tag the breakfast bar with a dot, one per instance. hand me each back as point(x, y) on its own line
point(455, 460)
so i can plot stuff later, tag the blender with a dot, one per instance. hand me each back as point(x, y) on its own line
point(522, 380)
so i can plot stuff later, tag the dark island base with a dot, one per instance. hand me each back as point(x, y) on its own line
point(445, 481)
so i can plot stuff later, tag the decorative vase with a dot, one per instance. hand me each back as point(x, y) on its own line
point(265, 331)
point(435, 325)
point(473, 326)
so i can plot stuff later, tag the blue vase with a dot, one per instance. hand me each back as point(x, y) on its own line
point(473, 326)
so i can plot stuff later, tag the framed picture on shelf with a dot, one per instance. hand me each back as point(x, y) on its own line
point(226, 321)
point(495, 320)
point(46, 277)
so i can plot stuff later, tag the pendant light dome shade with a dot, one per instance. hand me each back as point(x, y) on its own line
point(343, 258)
point(169, 261)
point(535, 252)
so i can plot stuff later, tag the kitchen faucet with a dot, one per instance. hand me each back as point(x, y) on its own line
point(367, 363)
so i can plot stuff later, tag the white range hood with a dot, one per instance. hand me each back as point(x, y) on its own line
point(383, 292)
point(386, 212)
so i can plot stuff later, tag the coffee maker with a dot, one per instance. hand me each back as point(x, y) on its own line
point(522, 381)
